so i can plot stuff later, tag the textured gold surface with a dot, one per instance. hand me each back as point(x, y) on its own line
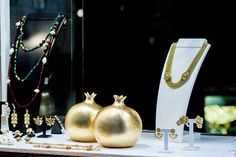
point(117, 125)
point(185, 75)
point(79, 119)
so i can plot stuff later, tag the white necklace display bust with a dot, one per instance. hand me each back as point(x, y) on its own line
point(173, 103)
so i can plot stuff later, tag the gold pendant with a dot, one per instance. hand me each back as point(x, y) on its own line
point(14, 118)
point(26, 119)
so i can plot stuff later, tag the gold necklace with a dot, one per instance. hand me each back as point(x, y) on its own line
point(186, 75)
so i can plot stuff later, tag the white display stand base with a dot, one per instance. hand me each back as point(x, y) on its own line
point(165, 151)
point(191, 148)
point(147, 146)
point(173, 103)
point(196, 136)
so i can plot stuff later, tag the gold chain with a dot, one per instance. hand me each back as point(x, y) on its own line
point(185, 76)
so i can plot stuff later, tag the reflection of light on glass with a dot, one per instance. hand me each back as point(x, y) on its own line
point(80, 13)
point(151, 40)
point(122, 8)
point(220, 112)
point(35, 39)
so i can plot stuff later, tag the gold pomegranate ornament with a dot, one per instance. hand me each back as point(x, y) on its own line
point(79, 119)
point(117, 125)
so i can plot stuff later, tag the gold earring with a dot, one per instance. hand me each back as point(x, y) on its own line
point(26, 119)
point(29, 131)
point(38, 121)
point(172, 134)
point(158, 133)
point(199, 121)
point(14, 118)
point(49, 121)
point(182, 120)
point(17, 135)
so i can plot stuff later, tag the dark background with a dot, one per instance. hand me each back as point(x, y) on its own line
point(119, 47)
point(126, 43)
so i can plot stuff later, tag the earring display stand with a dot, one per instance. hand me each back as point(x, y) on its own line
point(190, 125)
point(44, 130)
point(172, 103)
point(166, 142)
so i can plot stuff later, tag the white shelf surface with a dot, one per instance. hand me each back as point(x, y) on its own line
point(146, 146)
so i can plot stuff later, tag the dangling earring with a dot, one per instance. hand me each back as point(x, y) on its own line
point(38, 121)
point(158, 133)
point(26, 118)
point(14, 117)
point(182, 120)
point(49, 121)
point(199, 121)
point(172, 134)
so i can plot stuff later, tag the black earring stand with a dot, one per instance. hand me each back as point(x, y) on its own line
point(44, 127)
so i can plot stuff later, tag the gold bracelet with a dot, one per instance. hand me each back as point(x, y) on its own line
point(64, 146)
point(67, 147)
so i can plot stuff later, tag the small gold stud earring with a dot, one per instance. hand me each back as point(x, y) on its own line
point(158, 133)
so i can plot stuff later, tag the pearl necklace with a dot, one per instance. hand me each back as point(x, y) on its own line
point(186, 75)
point(19, 44)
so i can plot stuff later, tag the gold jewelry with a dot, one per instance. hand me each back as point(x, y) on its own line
point(14, 118)
point(6, 138)
point(158, 133)
point(199, 121)
point(17, 135)
point(185, 76)
point(38, 121)
point(64, 146)
point(29, 131)
point(26, 118)
point(27, 139)
point(49, 121)
point(182, 120)
point(18, 139)
point(87, 148)
point(172, 134)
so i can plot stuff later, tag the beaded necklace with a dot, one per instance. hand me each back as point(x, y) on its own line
point(19, 44)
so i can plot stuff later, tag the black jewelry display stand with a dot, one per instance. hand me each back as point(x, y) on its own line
point(35, 29)
point(58, 127)
point(44, 129)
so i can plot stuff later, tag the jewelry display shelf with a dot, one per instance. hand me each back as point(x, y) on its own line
point(146, 146)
